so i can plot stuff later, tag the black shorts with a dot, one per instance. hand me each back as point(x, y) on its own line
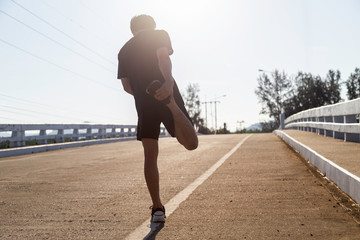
point(151, 113)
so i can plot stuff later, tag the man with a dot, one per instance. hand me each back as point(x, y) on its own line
point(145, 72)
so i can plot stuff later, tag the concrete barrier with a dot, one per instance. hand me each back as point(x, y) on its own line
point(346, 181)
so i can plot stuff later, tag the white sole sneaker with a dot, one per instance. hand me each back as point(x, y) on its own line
point(158, 216)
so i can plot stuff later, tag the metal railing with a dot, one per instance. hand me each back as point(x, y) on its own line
point(340, 121)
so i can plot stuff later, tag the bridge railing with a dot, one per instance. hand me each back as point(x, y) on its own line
point(20, 134)
point(340, 121)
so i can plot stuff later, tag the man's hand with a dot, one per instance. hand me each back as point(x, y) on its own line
point(165, 91)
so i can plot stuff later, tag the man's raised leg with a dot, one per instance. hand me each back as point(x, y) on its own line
point(184, 130)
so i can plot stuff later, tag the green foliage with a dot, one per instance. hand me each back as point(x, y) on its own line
point(192, 104)
point(303, 92)
point(204, 130)
point(333, 87)
point(353, 85)
point(247, 131)
point(4, 145)
point(31, 142)
point(223, 130)
point(51, 141)
point(272, 93)
point(269, 126)
point(312, 91)
point(250, 131)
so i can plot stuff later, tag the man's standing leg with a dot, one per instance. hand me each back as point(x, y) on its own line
point(151, 150)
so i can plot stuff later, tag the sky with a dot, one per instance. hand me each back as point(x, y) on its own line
point(58, 59)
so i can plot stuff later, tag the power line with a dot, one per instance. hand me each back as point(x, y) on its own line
point(56, 65)
point(53, 40)
point(31, 111)
point(73, 21)
point(1, 117)
point(24, 100)
point(27, 102)
point(17, 113)
point(98, 15)
point(67, 35)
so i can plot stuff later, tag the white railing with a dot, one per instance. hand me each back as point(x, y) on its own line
point(339, 120)
point(60, 133)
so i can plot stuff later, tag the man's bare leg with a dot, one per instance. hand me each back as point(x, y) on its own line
point(184, 130)
point(151, 150)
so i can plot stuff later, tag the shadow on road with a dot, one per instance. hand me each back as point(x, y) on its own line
point(154, 230)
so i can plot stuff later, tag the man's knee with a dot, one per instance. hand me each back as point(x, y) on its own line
point(192, 145)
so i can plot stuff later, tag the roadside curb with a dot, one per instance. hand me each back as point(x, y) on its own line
point(346, 181)
point(50, 147)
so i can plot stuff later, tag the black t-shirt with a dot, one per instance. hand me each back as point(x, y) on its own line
point(139, 63)
point(138, 59)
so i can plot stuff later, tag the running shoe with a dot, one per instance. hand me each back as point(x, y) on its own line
point(158, 215)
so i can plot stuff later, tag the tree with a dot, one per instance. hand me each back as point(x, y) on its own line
point(311, 91)
point(353, 85)
point(223, 130)
point(272, 93)
point(204, 130)
point(192, 103)
point(333, 87)
point(268, 126)
point(306, 91)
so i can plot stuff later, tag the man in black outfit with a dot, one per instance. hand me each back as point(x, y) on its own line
point(145, 72)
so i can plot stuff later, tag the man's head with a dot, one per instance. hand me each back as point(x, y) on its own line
point(142, 22)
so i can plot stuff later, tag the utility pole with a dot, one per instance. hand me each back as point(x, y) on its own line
point(240, 123)
point(206, 103)
point(216, 116)
point(205, 113)
point(211, 102)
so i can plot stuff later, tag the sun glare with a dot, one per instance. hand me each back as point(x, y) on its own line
point(187, 12)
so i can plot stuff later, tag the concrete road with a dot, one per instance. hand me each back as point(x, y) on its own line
point(262, 191)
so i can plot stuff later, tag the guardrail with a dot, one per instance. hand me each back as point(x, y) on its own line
point(19, 137)
point(340, 121)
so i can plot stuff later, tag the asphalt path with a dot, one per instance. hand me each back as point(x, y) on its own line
point(261, 191)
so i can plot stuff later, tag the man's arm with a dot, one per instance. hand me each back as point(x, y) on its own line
point(126, 85)
point(165, 68)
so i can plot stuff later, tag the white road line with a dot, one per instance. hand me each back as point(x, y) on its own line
point(173, 204)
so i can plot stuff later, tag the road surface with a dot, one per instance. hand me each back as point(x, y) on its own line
point(262, 191)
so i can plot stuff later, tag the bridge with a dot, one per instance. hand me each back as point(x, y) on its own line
point(237, 186)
